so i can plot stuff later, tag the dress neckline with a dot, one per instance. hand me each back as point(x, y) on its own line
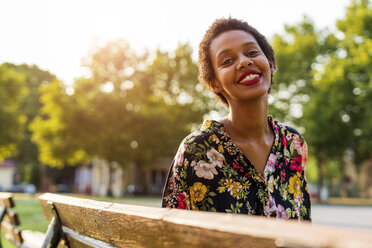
point(268, 167)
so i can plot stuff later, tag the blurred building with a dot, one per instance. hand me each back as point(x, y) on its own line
point(93, 178)
point(7, 174)
point(365, 182)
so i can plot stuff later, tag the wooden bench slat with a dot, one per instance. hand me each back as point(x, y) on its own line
point(12, 232)
point(137, 226)
point(83, 241)
point(12, 218)
point(6, 199)
point(10, 221)
point(33, 239)
point(128, 225)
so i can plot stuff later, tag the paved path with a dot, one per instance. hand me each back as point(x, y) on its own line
point(342, 216)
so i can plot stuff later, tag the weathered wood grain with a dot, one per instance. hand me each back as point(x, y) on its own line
point(138, 226)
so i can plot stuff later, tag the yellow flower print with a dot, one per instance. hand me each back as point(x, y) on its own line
point(197, 192)
point(214, 138)
point(247, 184)
point(270, 184)
point(235, 189)
point(194, 207)
point(228, 183)
point(220, 148)
point(221, 189)
point(294, 186)
point(207, 123)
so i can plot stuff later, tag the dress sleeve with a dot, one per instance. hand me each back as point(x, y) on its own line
point(175, 194)
point(305, 191)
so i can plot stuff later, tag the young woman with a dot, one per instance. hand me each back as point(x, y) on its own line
point(247, 163)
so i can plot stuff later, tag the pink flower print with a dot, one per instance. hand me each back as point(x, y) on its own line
point(179, 157)
point(285, 142)
point(282, 176)
point(215, 157)
point(236, 166)
point(205, 170)
point(281, 213)
point(295, 164)
point(270, 206)
point(304, 155)
point(298, 211)
point(271, 162)
point(181, 203)
point(297, 142)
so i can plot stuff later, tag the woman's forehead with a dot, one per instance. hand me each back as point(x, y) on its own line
point(229, 40)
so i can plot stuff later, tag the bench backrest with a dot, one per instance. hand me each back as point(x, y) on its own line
point(9, 219)
point(88, 223)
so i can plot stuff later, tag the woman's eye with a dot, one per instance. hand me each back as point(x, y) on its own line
point(227, 62)
point(252, 53)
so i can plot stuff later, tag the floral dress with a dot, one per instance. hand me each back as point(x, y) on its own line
point(210, 173)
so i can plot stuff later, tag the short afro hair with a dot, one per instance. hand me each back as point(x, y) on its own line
point(219, 26)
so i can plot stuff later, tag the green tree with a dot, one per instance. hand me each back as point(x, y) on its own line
point(122, 113)
point(12, 91)
point(298, 51)
point(27, 158)
point(328, 76)
point(53, 129)
point(343, 87)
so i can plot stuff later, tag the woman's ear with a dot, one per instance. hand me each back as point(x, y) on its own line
point(272, 69)
point(215, 86)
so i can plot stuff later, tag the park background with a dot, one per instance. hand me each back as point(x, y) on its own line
point(95, 104)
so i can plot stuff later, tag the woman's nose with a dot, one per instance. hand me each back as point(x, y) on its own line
point(244, 62)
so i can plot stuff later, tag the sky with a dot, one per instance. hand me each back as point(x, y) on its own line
point(56, 35)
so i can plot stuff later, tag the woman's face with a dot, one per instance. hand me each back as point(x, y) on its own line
point(242, 71)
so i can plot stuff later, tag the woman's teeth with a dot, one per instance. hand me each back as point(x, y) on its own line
point(249, 77)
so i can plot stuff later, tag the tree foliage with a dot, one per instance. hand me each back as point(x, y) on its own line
point(130, 109)
point(344, 84)
point(328, 76)
point(12, 91)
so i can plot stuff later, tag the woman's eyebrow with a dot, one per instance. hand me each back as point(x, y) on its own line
point(228, 49)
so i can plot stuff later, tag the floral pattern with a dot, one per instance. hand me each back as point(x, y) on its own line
point(210, 173)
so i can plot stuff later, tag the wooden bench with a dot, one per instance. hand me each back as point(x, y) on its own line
point(87, 223)
point(9, 221)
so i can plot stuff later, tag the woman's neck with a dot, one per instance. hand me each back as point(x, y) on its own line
point(248, 120)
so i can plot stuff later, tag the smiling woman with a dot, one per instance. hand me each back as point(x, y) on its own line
point(247, 162)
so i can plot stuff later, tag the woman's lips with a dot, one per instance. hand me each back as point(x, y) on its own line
point(252, 81)
point(250, 77)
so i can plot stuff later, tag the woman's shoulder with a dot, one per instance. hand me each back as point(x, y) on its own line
point(208, 129)
point(284, 129)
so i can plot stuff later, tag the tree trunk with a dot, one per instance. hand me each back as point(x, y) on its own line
point(111, 170)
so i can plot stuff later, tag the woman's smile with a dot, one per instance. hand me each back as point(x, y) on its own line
point(250, 77)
